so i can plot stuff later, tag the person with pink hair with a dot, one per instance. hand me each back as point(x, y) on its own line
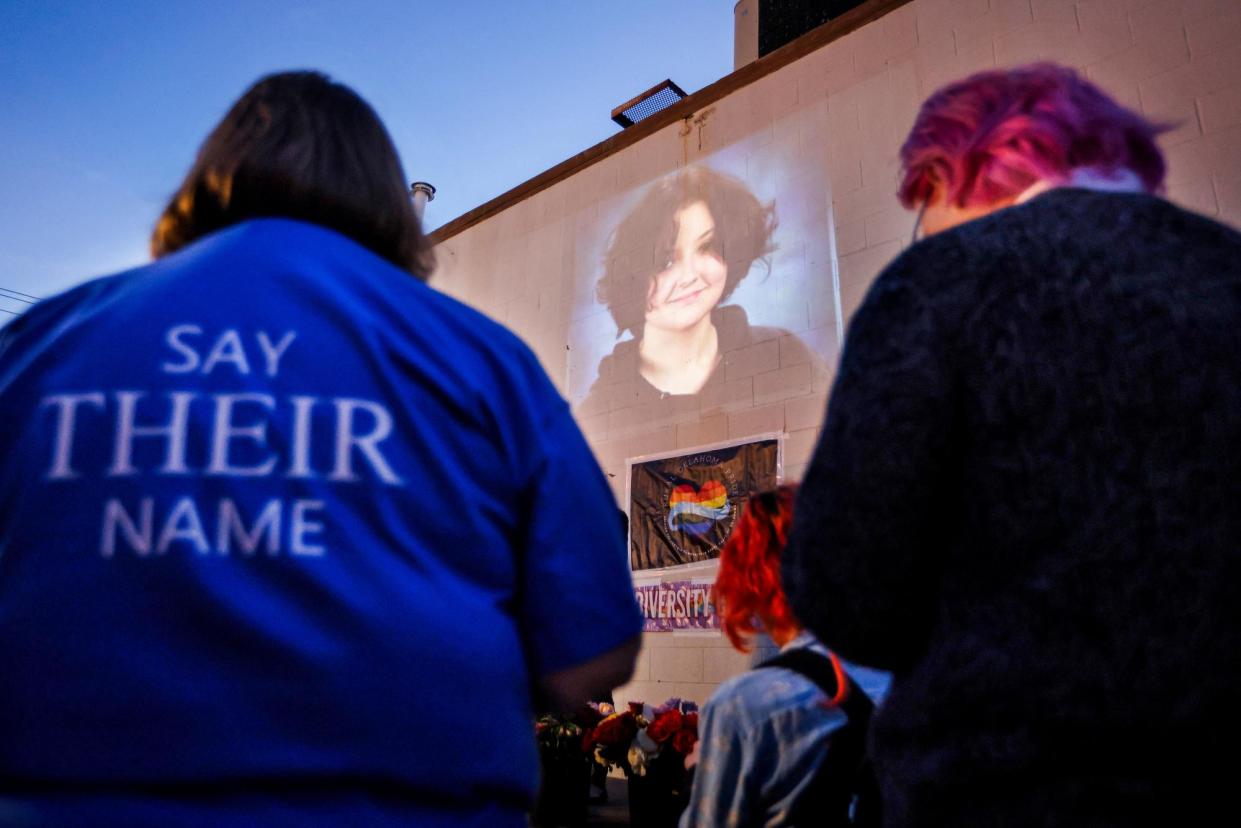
point(1025, 498)
point(1000, 138)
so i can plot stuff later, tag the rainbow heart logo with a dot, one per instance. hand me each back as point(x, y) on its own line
point(694, 509)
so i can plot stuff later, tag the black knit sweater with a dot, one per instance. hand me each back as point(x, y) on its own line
point(1027, 504)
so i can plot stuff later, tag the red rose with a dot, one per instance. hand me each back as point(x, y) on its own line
point(683, 741)
point(691, 722)
point(616, 730)
point(665, 724)
point(588, 740)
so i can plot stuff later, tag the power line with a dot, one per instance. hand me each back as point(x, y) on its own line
point(6, 310)
point(19, 295)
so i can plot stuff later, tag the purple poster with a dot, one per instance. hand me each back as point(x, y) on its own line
point(677, 605)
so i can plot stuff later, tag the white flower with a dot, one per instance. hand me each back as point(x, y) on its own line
point(637, 759)
point(646, 743)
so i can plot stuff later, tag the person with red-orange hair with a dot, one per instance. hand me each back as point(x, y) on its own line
point(1024, 501)
point(747, 592)
point(765, 734)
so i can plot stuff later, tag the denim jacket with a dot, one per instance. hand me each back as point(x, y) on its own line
point(763, 735)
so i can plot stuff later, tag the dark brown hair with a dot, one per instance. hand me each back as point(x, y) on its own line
point(299, 145)
point(644, 239)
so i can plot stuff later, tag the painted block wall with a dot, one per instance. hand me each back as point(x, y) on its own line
point(849, 106)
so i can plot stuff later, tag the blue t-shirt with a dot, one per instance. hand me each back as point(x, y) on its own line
point(278, 519)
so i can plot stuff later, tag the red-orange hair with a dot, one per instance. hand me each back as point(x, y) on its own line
point(748, 595)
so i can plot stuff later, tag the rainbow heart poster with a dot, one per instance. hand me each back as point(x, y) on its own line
point(682, 508)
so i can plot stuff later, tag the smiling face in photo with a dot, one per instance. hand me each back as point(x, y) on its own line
point(692, 280)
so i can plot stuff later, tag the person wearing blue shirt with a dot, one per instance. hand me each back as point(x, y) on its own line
point(285, 534)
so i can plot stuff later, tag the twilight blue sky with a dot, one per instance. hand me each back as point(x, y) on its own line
point(105, 103)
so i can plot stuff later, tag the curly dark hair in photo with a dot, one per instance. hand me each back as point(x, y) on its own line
point(640, 247)
point(299, 145)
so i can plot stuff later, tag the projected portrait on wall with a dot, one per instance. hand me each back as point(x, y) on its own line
point(671, 269)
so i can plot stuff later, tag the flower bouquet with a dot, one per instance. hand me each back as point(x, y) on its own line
point(650, 745)
point(563, 795)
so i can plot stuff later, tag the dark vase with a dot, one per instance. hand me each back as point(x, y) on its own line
point(564, 796)
point(657, 798)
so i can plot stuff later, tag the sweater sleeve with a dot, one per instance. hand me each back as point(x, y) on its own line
point(869, 526)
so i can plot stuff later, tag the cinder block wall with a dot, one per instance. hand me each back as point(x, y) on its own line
point(848, 106)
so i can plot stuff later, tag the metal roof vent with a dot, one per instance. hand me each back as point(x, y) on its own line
point(421, 192)
point(660, 96)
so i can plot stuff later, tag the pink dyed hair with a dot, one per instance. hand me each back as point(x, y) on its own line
point(992, 135)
